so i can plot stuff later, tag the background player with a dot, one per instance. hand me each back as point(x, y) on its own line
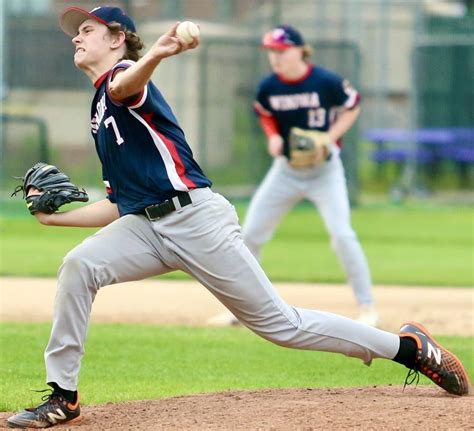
point(160, 215)
point(299, 94)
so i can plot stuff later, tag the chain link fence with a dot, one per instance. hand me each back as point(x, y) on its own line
point(385, 48)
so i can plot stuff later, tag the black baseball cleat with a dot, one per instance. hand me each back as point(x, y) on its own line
point(435, 362)
point(56, 410)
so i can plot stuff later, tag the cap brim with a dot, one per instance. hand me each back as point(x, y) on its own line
point(72, 18)
point(276, 45)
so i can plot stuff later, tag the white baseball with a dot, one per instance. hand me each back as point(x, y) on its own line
point(187, 30)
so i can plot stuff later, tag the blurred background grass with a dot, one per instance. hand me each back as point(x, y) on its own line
point(412, 244)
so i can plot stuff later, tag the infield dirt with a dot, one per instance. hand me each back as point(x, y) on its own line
point(446, 311)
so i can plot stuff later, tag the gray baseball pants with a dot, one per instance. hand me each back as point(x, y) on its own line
point(203, 239)
point(325, 186)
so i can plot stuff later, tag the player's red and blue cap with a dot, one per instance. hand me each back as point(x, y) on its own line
point(73, 17)
point(282, 37)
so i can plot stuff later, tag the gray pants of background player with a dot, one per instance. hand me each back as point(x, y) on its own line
point(204, 240)
point(325, 186)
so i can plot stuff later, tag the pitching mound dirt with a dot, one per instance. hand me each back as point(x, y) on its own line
point(374, 408)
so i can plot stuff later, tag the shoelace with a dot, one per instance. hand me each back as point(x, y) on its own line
point(412, 375)
point(45, 397)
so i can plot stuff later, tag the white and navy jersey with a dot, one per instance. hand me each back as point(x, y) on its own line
point(310, 103)
point(144, 154)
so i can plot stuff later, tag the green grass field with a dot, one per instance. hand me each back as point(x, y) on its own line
point(418, 245)
point(131, 362)
point(413, 245)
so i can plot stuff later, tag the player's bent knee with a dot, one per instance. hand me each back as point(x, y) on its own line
point(282, 334)
point(341, 240)
point(77, 271)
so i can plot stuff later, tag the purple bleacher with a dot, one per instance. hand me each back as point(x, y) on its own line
point(459, 153)
point(399, 145)
point(387, 135)
point(396, 155)
point(464, 134)
point(401, 155)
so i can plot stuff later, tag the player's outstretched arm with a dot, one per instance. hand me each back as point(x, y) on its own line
point(132, 80)
point(343, 123)
point(97, 214)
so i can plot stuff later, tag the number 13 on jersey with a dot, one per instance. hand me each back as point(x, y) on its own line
point(316, 117)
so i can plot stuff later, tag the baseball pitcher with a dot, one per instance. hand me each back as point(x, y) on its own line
point(160, 215)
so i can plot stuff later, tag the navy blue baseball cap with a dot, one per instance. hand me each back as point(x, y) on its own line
point(73, 17)
point(282, 37)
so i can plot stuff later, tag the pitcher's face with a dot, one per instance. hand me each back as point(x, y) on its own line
point(92, 44)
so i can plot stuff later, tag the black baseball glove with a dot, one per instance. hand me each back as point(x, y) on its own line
point(55, 187)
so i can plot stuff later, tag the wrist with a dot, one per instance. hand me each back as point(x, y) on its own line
point(46, 219)
point(333, 137)
point(152, 58)
point(275, 137)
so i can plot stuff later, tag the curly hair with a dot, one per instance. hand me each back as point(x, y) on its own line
point(132, 40)
point(307, 52)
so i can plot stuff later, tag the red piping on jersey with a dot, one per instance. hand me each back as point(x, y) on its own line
point(269, 125)
point(356, 102)
point(100, 79)
point(267, 121)
point(132, 100)
point(180, 169)
point(128, 101)
point(298, 80)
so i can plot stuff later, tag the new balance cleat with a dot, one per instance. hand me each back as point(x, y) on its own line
point(56, 410)
point(435, 362)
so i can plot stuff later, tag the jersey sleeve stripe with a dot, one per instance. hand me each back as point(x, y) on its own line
point(108, 189)
point(353, 100)
point(140, 100)
point(269, 125)
point(260, 110)
point(173, 164)
point(134, 101)
point(123, 64)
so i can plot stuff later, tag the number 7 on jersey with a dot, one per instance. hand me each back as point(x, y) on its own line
point(111, 120)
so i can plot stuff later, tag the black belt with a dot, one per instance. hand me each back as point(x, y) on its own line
point(155, 212)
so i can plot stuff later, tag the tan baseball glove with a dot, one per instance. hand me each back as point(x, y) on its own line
point(308, 147)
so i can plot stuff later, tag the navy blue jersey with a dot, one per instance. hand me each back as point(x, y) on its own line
point(144, 154)
point(310, 102)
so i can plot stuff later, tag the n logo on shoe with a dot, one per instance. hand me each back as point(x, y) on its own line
point(55, 418)
point(434, 351)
